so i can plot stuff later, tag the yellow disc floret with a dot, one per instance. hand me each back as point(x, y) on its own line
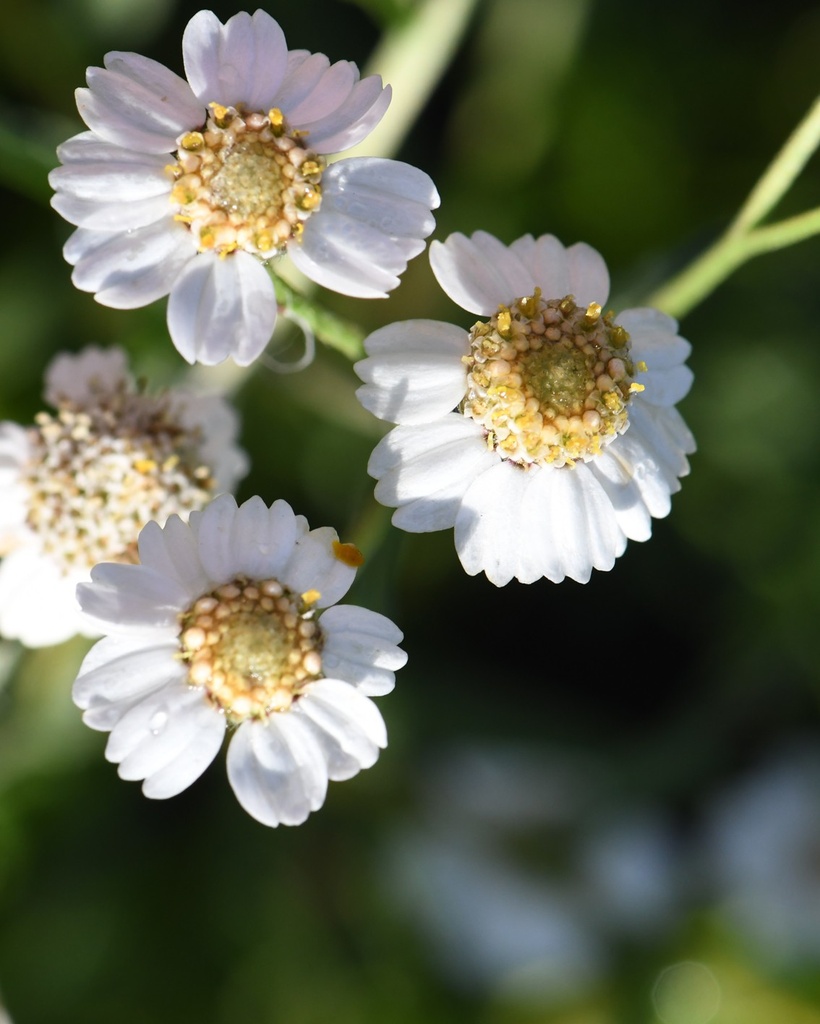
point(100, 471)
point(253, 645)
point(550, 381)
point(245, 182)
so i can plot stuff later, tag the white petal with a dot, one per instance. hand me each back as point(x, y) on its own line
point(350, 257)
point(118, 176)
point(564, 515)
point(488, 533)
point(277, 770)
point(426, 469)
point(414, 373)
point(547, 260)
point(665, 387)
point(172, 551)
point(654, 337)
point(304, 71)
point(79, 377)
point(581, 523)
point(251, 547)
point(319, 87)
point(242, 62)
point(38, 605)
point(174, 733)
point(213, 528)
point(220, 308)
point(216, 530)
point(352, 120)
point(121, 668)
point(128, 597)
point(349, 726)
point(479, 273)
point(138, 104)
point(579, 270)
point(129, 269)
point(99, 215)
point(588, 275)
point(392, 197)
point(314, 565)
point(360, 647)
point(653, 452)
point(217, 425)
point(617, 478)
point(178, 774)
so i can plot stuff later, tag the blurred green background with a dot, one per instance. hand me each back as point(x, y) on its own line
point(600, 804)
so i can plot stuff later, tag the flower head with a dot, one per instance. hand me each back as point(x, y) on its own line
point(78, 486)
point(230, 621)
point(188, 188)
point(565, 440)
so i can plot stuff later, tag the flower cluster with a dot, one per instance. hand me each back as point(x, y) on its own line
point(545, 435)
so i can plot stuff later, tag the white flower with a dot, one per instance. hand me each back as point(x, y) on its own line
point(77, 487)
point(762, 847)
point(227, 622)
point(189, 187)
point(565, 440)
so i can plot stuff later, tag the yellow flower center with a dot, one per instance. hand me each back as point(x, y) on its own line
point(253, 646)
point(98, 474)
point(245, 182)
point(550, 381)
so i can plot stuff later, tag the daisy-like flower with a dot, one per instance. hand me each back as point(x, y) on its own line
point(78, 486)
point(188, 188)
point(231, 622)
point(564, 441)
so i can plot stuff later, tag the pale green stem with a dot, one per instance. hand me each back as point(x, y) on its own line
point(411, 58)
point(326, 326)
point(780, 174)
point(743, 239)
point(698, 280)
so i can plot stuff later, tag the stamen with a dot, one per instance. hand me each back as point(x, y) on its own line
point(245, 182)
point(253, 646)
point(550, 382)
point(98, 474)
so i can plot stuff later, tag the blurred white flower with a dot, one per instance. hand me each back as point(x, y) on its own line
point(77, 487)
point(524, 877)
point(230, 621)
point(565, 440)
point(188, 188)
point(493, 926)
point(763, 858)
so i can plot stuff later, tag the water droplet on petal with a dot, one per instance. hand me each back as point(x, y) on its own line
point(158, 722)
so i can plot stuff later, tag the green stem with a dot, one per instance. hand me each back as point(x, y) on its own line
point(411, 58)
point(743, 238)
point(781, 172)
point(328, 328)
point(699, 279)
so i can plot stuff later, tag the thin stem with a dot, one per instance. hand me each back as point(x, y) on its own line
point(699, 279)
point(780, 174)
point(328, 328)
point(412, 57)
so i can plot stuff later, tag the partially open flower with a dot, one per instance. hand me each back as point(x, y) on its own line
point(189, 188)
point(78, 486)
point(231, 621)
point(564, 441)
